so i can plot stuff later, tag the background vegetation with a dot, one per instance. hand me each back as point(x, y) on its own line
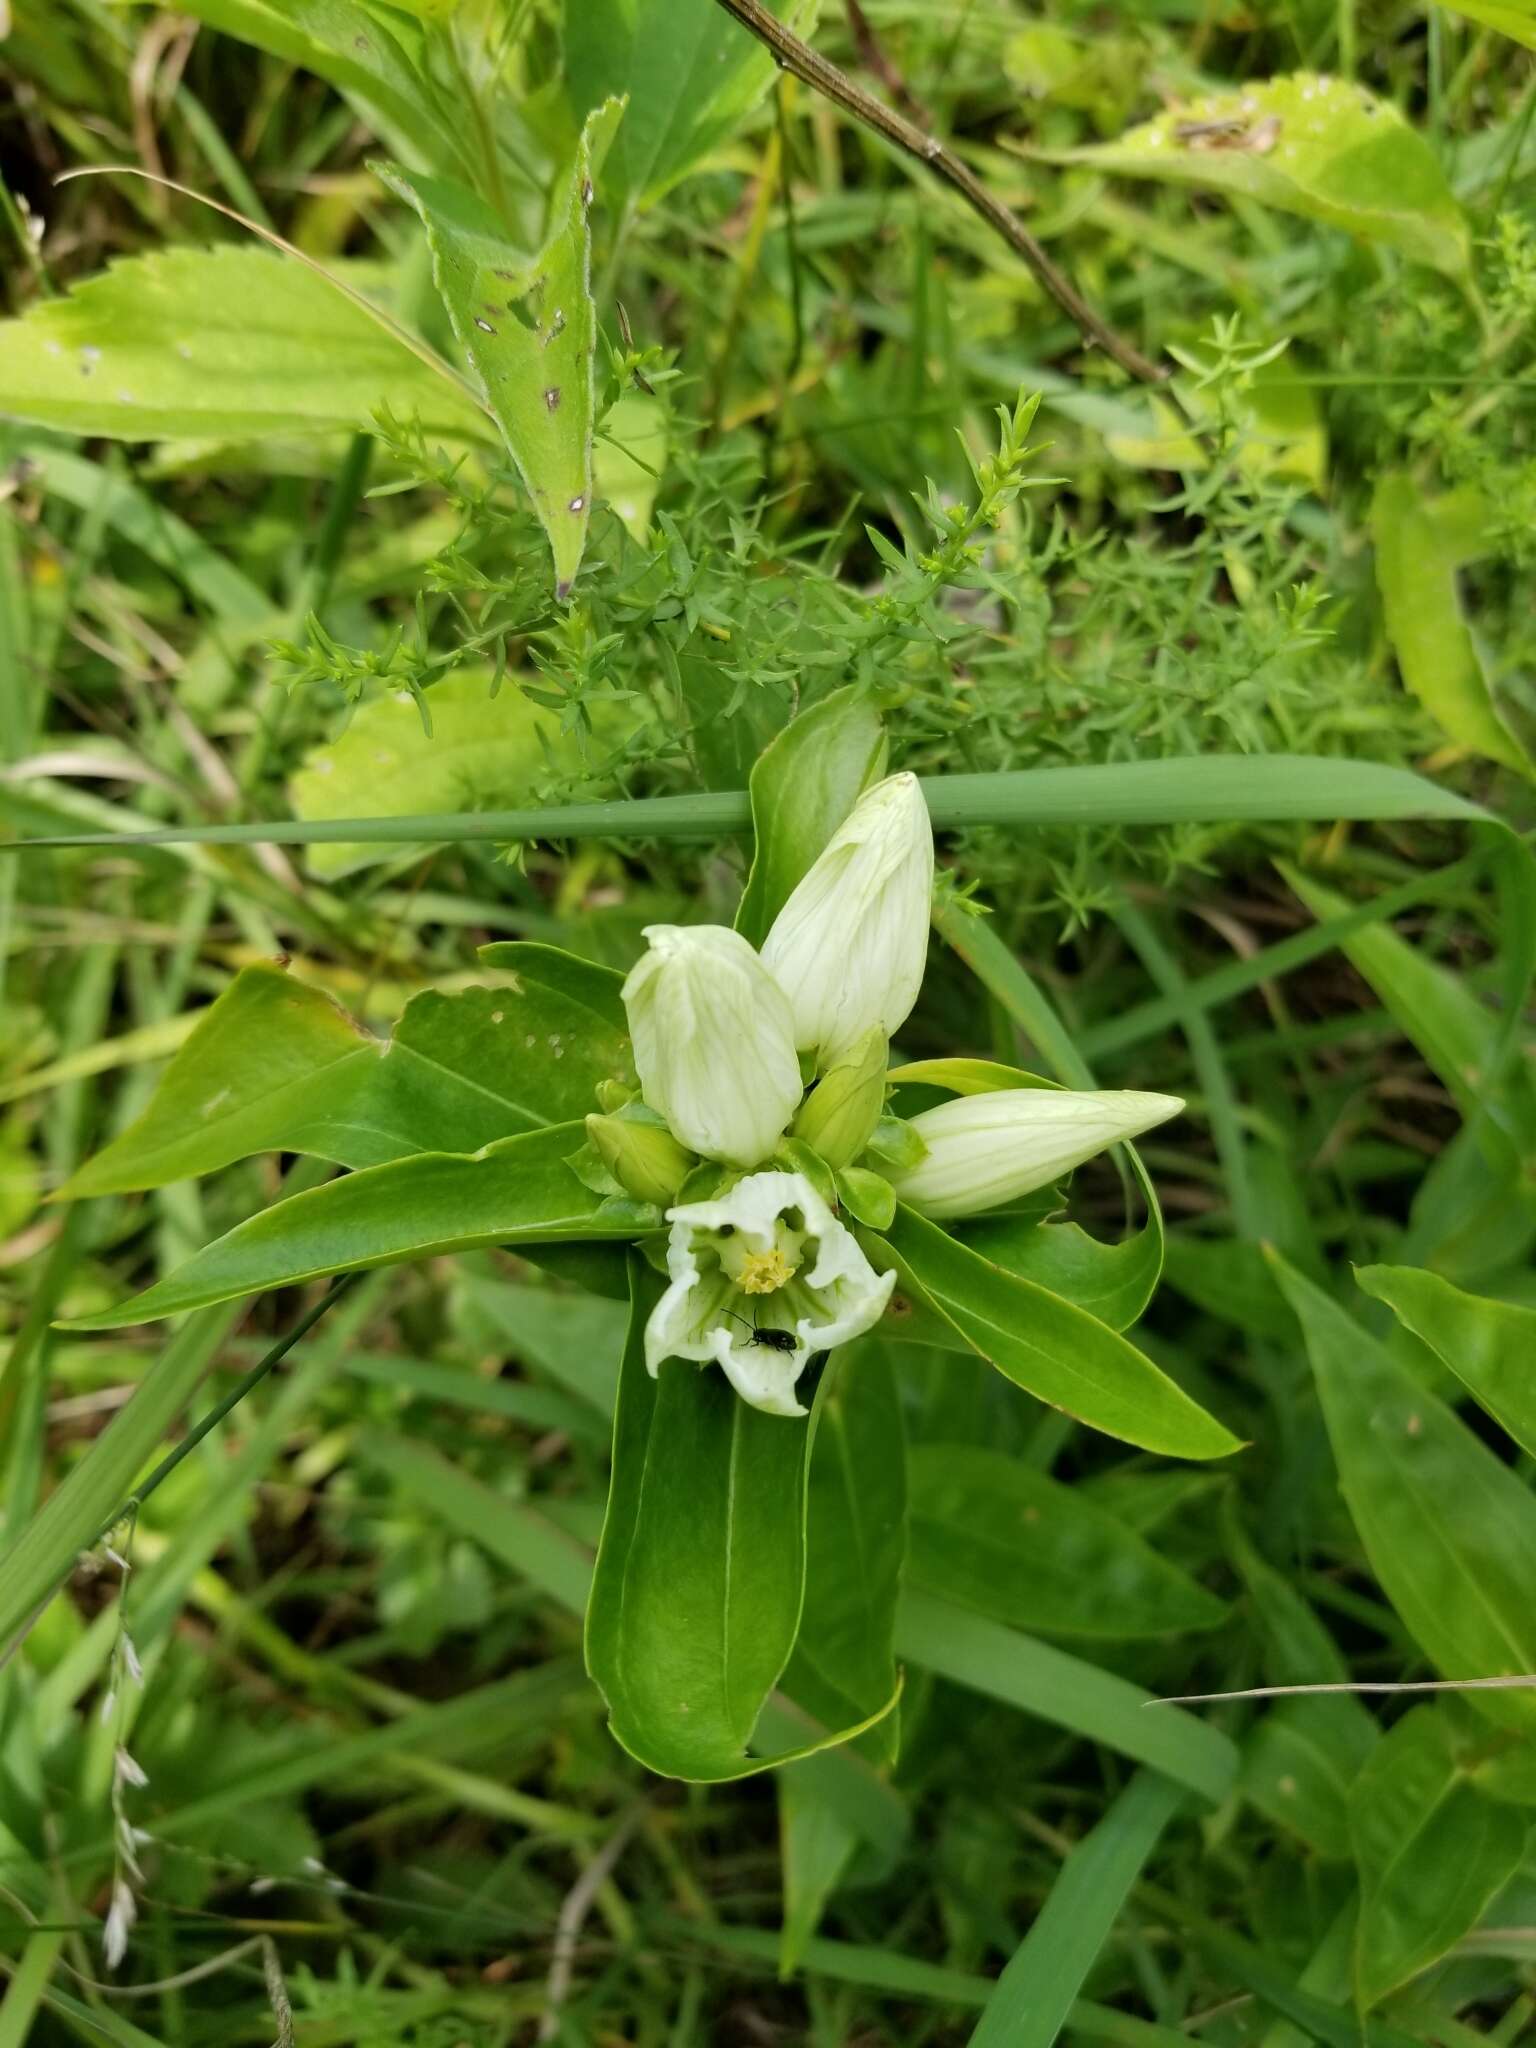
point(381, 1804)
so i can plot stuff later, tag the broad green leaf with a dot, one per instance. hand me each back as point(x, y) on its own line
point(992, 1533)
point(275, 1066)
point(804, 784)
point(1432, 1852)
point(844, 1667)
point(1320, 147)
point(228, 341)
point(1113, 1282)
point(1435, 651)
point(520, 1190)
point(1047, 1345)
point(1449, 1529)
point(1489, 1345)
point(528, 327)
point(700, 1574)
point(483, 749)
point(1299, 1762)
point(687, 71)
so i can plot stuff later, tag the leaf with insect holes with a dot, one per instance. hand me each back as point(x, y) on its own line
point(234, 342)
point(1316, 146)
point(528, 328)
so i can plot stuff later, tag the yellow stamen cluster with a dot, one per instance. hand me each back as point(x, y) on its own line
point(764, 1272)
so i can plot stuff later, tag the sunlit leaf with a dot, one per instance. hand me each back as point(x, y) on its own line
point(1489, 1345)
point(234, 341)
point(1321, 147)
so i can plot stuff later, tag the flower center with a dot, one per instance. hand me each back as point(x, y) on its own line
point(764, 1272)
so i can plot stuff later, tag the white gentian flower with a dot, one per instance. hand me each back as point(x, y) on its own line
point(850, 945)
point(121, 1915)
point(984, 1150)
point(763, 1277)
point(714, 1043)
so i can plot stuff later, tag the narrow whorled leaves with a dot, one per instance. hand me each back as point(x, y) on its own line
point(1047, 1345)
point(1450, 1530)
point(1321, 147)
point(700, 1576)
point(528, 327)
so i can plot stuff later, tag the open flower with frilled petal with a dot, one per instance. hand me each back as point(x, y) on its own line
point(762, 1278)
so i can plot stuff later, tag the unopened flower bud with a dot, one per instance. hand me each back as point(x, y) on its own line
point(985, 1150)
point(850, 945)
point(838, 1118)
point(646, 1160)
point(714, 1042)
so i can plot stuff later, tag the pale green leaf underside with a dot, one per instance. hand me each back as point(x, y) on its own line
point(1337, 154)
point(227, 341)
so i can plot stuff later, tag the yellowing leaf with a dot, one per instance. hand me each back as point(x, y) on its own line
point(1310, 145)
point(236, 341)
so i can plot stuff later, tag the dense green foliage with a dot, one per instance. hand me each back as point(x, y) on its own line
point(633, 435)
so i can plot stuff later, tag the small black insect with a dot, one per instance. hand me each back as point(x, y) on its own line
point(771, 1340)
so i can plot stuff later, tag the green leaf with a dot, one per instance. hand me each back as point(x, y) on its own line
point(231, 341)
point(816, 1846)
point(1048, 1346)
point(1416, 577)
point(1449, 1529)
point(528, 329)
point(517, 1191)
point(992, 1533)
point(1064, 1690)
point(688, 72)
point(1517, 21)
point(804, 784)
point(1299, 1762)
point(844, 1664)
point(374, 55)
point(700, 1574)
point(275, 1065)
point(1033, 1998)
point(482, 749)
point(1320, 147)
point(1431, 1849)
point(1489, 1345)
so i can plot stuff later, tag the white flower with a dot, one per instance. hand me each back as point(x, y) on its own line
point(121, 1915)
point(714, 1045)
point(766, 1260)
point(984, 1150)
point(850, 945)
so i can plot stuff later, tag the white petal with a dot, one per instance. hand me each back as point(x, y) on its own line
point(985, 1150)
point(850, 945)
point(714, 1042)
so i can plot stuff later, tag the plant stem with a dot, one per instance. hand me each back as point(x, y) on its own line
point(806, 63)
